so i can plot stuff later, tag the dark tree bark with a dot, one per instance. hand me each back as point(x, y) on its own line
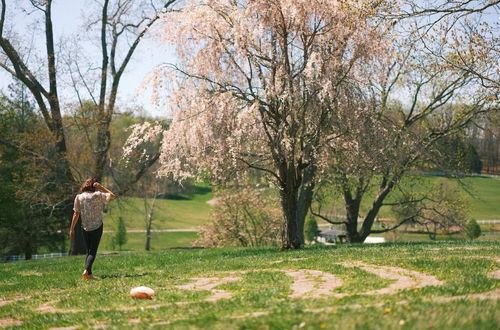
point(304, 201)
point(149, 219)
point(47, 100)
point(352, 213)
point(291, 178)
point(109, 65)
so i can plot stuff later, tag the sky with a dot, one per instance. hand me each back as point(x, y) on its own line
point(67, 16)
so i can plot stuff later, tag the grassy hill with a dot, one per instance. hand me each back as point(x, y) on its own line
point(483, 194)
point(391, 286)
point(187, 211)
point(191, 211)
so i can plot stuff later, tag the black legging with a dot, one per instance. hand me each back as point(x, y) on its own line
point(92, 239)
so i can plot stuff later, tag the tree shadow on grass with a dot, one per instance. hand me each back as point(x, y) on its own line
point(122, 275)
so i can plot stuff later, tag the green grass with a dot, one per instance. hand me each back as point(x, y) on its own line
point(483, 195)
point(485, 204)
point(56, 285)
point(159, 241)
point(418, 237)
point(190, 212)
point(193, 211)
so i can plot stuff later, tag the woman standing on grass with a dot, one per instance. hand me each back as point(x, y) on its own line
point(89, 203)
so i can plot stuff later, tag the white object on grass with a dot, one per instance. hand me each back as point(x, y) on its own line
point(142, 292)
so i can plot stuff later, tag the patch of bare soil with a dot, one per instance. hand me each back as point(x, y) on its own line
point(6, 302)
point(456, 248)
point(495, 274)
point(313, 283)
point(404, 278)
point(284, 260)
point(49, 308)
point(134, 321)
point(10, 323)
point(30, 273)
point(209, 283)
point(253, 314)
point(494, 294)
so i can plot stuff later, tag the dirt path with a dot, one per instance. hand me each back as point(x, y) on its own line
point(49, 308)
point(313, 283)
point(286, 260)
point(404, 278)
point(10, 323)
point(209, 283)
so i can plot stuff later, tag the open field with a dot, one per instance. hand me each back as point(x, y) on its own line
point(391, 286)
point(159, 241)
point(486, 204)
point(188, 212)
point(482, 193)
point(194, 210)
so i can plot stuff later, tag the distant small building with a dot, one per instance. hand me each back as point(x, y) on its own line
point(334, 236)
point(331, 236)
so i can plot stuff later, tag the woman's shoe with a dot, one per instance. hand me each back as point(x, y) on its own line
point(87, 276)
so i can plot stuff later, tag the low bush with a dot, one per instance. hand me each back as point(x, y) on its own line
point(242, 218)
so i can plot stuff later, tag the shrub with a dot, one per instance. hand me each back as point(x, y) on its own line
point(310, 229)
point(242, 218)
point(472, 229)
point(121, 233)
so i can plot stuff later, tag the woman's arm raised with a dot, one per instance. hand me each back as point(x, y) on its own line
point(100, 187)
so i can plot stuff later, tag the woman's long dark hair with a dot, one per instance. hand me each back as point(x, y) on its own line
point(88, 185)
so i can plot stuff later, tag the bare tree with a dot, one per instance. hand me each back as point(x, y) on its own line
point(46, 97)
point(384, 139)
point(118, 21)
point(461, 34)
point(123, 24)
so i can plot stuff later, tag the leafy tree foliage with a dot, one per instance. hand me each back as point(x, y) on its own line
point(456, 154)
point(121, 233)
point(32, 215)
point(472, 229)
point(311, 229)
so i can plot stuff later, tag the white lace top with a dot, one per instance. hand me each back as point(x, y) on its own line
point(91, 207)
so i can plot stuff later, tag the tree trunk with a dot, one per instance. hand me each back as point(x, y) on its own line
point(291, 239)
point(103, 143)
point(28, 250)
point(305, 199)
point(149, 219)
point(352, 213)
point(148, 238)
